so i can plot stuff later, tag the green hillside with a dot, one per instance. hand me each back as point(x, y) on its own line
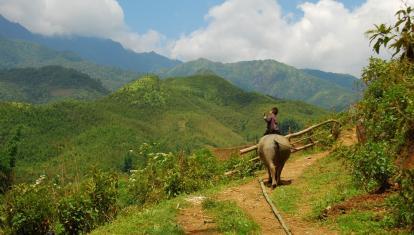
point(20, 54)
point(178, 113)
point(275, 79)
point(47, 84)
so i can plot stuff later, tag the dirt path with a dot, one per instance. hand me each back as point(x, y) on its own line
point(249, 197)
point(194, 221)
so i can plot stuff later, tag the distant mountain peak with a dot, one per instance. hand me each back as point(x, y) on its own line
point(205, 71)
point(102, 51)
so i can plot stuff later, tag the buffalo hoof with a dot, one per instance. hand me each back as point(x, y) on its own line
point(268, 183)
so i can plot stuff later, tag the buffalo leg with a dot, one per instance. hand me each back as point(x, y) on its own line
point(269, 179)
point(279, 169)
point(273, 175)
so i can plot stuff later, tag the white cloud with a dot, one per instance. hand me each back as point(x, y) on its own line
point(96, 18)
point(328, 36)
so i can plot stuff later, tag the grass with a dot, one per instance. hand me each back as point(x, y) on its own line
point(160, 219)
point(360, 222)
point(327, 183)
point(324, 183)
point(230, 218)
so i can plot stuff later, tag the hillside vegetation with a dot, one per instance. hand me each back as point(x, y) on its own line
point(331, 91)
point(179, 114)
point(47, 84)
point(22, 54)
point(374, 193)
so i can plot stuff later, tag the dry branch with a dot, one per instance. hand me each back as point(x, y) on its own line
point(275, 211)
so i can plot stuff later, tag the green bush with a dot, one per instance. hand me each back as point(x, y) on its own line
point(38, 208)
point(76, 213)
point(103, 193)
point(242, 166)
point(168, 175)
point(372, 165)
point(402, 203)
point(29, 208)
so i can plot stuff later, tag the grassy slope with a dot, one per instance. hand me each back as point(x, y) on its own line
point(17, 53)
point(276, 79)
point(327, 184)
point(67, 138)
point(47, 84)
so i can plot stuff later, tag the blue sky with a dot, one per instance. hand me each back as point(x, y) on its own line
point(176, 17)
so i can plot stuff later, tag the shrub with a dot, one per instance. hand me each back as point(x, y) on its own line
point(76, 213)
point(103, 193)
point(372, 165)
point(168, 175)
point(402, 203)
point(242, 166)
point(29, 209)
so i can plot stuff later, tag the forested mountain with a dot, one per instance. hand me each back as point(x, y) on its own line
point(180, 114)
point(279, 80)
point(20, 54)
point(100, 51)
point(344, 80)
point(47, 84)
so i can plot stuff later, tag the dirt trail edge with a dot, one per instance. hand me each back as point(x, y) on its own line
point(249, 197)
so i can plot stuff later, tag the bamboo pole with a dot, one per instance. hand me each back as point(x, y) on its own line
point(303, 147)
point(275, 211)
point(249, 149)
point(310, 128)
point(254, 147)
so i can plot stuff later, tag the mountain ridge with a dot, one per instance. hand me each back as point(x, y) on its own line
point(99, 50)
point(46, 84)
point(16, 53)
point(276, 79)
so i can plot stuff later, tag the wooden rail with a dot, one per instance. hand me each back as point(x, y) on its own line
point(289, 136)
point(275, 211)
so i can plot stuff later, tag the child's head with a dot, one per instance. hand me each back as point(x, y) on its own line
point(275, 110)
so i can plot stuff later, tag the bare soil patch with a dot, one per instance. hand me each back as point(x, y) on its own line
point(193, 220)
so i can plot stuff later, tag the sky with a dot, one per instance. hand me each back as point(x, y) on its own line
point(319, 34)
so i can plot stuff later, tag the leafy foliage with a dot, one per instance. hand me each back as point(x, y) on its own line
point(41, 207)
point(402, 203)
point(76, 213)
point(398, 37)
point(372, 165)
point(168, 175)
point(387, 115)
point(29, 208)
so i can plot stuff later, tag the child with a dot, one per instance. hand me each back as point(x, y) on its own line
point(272, 123)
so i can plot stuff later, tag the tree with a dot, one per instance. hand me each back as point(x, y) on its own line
point(8, 161)
point(398, 37)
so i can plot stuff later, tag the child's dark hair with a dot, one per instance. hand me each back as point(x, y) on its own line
point(275, 110)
